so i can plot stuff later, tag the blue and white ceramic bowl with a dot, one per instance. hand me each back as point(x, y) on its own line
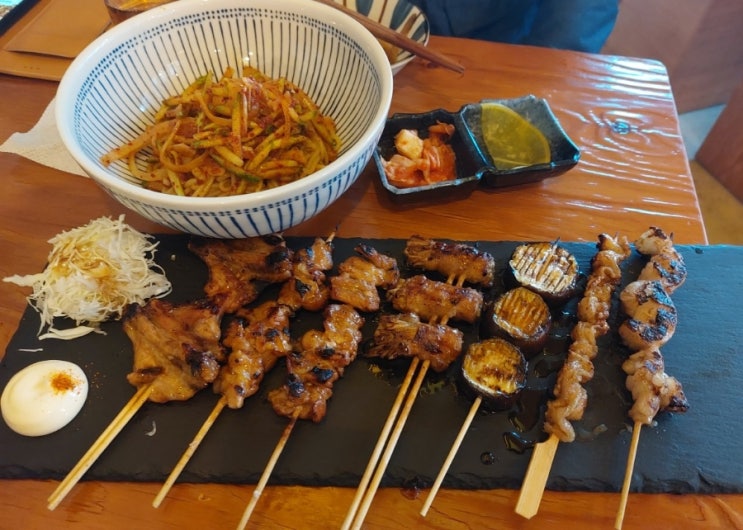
point(399, 15)
point(111, 91)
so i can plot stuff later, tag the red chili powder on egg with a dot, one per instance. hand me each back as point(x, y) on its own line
point(63, 382)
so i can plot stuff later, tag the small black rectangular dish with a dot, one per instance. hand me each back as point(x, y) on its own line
point(474, 163)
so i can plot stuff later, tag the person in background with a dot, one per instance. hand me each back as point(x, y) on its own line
point(581, 25)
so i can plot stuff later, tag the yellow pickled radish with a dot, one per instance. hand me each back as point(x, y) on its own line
point(511, 139)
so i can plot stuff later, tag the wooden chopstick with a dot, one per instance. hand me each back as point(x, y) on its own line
point(393, 37)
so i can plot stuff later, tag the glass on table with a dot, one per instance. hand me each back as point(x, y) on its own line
point(120, 10)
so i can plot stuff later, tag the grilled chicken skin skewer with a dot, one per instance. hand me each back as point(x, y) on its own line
point(570, 397)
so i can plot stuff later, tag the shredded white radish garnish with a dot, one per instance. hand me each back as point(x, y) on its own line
point(94, 272)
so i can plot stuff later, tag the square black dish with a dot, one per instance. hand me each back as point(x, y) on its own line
point(474, 162)
point(467, 167)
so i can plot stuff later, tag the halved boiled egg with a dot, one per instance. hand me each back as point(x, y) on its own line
point(44, 397)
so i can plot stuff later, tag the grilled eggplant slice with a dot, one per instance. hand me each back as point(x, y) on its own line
point(520, 316)
point(547, 269)
point(495, 370)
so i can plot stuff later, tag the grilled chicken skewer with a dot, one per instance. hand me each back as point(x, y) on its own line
point(421, 299)
point(453, 260)
point(323, 355)
point(570, 397)
point(236, 264)
point(359, 278)
point(430, 299)
point(312, 371)
point(405, 335)
point(257, 339)
point(308, 287)
point(177, 352)
point(651, 323)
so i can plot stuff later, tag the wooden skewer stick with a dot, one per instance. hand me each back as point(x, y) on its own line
point(381, 441)
point(189, 452)
point(398, 39)
point(258, 491)
point(354, 515)
point(100, 445)
point(535, 479)
point(391, 443)
point(450, 457)
point(628, 474)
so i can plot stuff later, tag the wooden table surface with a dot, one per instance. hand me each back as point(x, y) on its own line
point(633, 174)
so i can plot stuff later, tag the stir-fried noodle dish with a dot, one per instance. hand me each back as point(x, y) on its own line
point(234, 135)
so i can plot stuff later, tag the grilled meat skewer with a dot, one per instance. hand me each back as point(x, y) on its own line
point(666, 264)
point(309, 383)
point(307, 288)
point(570, 397)
point(404, 335)
point(453, 260)
point(257, 339)
point(177, 349)
point(651, 322)
point(431, 299)
point(360, 276)
point(235, 264)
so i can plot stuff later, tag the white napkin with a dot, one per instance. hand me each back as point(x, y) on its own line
point(43, 144)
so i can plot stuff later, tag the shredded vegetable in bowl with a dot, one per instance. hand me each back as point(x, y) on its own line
point(238, 134)
point(94, 272)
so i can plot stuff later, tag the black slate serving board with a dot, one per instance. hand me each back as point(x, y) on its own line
point(695, 452)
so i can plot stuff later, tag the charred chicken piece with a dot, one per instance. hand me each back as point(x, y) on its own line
point(322, 359)
point(651, 323)
point(176, 347)
point(521, 316)
point(360, 276)
point(404, 335)
point(652, 389)
point(652, 315)
point(495, 370)
point(307, 288)
point(431, 299)
point(454, 260)
point(547, 269)
point(235, 264)
point(665, 264)
point(256, 338)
